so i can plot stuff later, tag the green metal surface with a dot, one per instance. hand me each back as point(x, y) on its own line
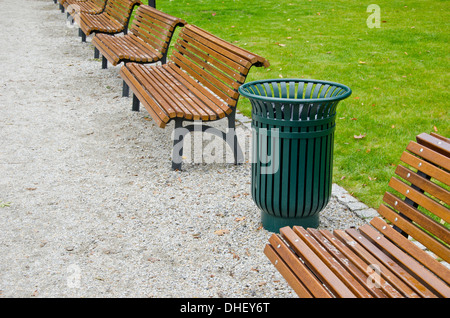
point(293, 124)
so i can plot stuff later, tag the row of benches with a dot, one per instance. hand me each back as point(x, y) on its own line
point(200, 81)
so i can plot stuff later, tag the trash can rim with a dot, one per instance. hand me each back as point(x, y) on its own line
point(297, 100)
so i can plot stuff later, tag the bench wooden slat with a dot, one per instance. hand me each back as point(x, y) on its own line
point(412, 249)
point(106, 51)
point(426, 167)
point(159, 117)
point(390, 263)
point(356, 278)
point(230, 49)
point(435, 142)
point(415, 216)
point(387, 289)
point(386, 272)
point(315, 263)
point(429, 155)
point(165, 101)
point(429, 241)
point(216, 105)
point(420, 199)
point(331, 262)
point(423, 275)
point(198, 108)
point(280, 254)
point(424, 184)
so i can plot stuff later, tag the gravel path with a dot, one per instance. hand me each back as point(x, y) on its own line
point(89, 206)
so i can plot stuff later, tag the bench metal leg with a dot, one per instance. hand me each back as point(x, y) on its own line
point(83, 36)
point(229, 137)
point(177, 151)
point(125, 89)
point(96, 53)
point(104, 63)
point(135, 106)
point(232, 137)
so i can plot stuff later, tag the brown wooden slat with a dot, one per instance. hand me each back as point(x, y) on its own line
point(244, 54)
point(325, 274)
point(424, 201)
point(286, 272)
point(427, 279)
point(426, 167)
point(417, 217)
point(195, 71)
point(111, 57)
point(112, 20)
point(384, 286)
point(435, 142)
point(412, 249)
point(430, 242)
point(194, 101)
point(429, 155)
point(213, 102)
point(89, 6)
point(357, 278)
point(332, 263)
point(424, 184)
point(385, 272)
point(387, 260)
point(300, 277)
point(207, 64)
point(165, 102)
point(158, 116)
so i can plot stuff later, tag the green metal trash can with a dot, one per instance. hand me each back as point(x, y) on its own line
point(293, 122)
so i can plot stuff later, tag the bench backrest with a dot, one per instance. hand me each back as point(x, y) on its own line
point(154, 26)
point(424, 182)
point(120, 10)
point(218, 65)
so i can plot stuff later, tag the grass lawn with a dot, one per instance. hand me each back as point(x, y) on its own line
point(398, 72)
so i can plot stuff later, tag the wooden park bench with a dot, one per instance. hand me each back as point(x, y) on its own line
point(199, 83)
point(378, 259)
point(114, 19)
point(147, 40)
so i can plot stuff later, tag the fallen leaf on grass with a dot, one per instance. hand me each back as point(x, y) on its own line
point(359, 136)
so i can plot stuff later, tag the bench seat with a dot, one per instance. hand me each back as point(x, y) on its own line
point(380, 259)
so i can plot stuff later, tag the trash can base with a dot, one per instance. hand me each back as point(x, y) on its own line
point(273, 223)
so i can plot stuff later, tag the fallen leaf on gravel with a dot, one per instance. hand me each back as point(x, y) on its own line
point(221, 232)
